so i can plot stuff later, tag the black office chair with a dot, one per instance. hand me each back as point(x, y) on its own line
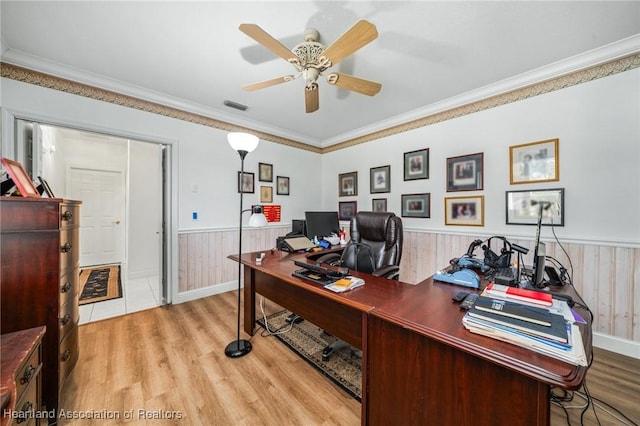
point(375, 248)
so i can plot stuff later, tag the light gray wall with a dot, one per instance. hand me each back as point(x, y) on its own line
point(203, 154)
point(596, 123)
point(598, 127)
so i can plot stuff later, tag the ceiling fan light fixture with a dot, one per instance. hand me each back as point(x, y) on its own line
point(311, 58)
point(308, 53)
point(310, 75)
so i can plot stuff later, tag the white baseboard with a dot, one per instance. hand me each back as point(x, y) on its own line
point(616, 344)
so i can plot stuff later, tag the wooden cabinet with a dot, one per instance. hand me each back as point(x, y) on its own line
point(21, 383)
point(39, 276)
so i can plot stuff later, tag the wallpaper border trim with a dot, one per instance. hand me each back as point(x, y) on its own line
point(606, 69)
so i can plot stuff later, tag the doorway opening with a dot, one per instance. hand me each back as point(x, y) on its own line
point(122, 184)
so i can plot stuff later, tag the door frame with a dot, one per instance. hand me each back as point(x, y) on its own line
point(169, 286)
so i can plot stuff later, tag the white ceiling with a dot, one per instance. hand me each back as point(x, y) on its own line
point(428, 54)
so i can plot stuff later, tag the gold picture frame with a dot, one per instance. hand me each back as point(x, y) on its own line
point(534, 162)
point(464, 211)
point(266, 194)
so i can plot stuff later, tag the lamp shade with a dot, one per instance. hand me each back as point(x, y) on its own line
point(257, 218)
point(242, 141)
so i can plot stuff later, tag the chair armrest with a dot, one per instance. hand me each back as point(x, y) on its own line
point(391, 272)
point(330, 258)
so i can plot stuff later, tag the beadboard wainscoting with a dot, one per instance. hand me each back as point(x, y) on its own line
point(606, 276)
point(203, 264)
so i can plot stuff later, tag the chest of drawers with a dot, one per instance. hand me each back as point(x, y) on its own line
point(21, 383)
point(40, 275)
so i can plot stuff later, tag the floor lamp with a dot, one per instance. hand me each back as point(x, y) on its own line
point(243, 143)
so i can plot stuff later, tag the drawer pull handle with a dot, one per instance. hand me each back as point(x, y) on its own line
point(67, 215)
point(24, 412)
point(66, 355)
point(66, 319)
point(66, 248)
point(28, 374)
point(66, 287)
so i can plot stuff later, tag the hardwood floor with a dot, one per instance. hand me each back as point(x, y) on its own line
point(167, 366)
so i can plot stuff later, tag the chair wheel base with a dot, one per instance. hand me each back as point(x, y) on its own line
point(326, 353)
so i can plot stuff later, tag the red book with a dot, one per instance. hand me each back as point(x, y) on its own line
point(515, 293)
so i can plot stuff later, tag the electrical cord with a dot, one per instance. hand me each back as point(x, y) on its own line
point(567, 277)
point(590, 400)
point(268, 332)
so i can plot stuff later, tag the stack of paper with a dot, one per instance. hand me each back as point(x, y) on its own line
point(344, 284)
point(518, 294)
point(545, 330)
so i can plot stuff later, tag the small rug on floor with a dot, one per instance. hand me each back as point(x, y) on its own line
point(308, 341)
point(100, 283)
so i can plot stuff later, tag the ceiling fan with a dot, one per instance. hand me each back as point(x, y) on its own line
point(310, 59)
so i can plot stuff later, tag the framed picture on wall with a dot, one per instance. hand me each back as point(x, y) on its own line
point(379, 179)
point(282, 185)
point(347, 209)
point(416, 164)
point(265, 172)
point(523, 207)
point(464, 173)
point(464, 211)
point(416, 205)
point(266, 194)
point(246, 182)
point(379, 205)
point(534, 162)
point(347, 184)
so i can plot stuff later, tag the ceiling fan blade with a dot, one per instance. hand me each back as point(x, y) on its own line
point(262, 37)
point(267, 83)
point(311, 98)
point(349, 82)
point(354, 38)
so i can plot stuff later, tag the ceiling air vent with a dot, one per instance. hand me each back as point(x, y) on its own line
point(236, 105)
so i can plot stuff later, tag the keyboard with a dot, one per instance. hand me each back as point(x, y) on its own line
point(316, 273)
point(314, 277)
point(320, 270)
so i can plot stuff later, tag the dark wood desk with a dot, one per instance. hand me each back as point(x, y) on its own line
point(341, 314)
point(426, 368)
point(420, 365)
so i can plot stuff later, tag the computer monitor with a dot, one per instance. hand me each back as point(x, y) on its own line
point(322, 224)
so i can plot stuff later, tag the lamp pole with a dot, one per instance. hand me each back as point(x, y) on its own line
point(239, 347)
point(243, 143)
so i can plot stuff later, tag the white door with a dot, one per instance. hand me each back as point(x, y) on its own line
point(102, 214)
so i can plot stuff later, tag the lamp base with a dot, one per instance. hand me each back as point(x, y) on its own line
point(238, 348)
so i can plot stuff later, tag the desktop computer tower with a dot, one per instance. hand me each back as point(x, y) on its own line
point(298, 227)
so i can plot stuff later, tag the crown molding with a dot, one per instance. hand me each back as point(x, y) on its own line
point(52, 68)
point(38, 78)
point(605, 61)
point(607, 53)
